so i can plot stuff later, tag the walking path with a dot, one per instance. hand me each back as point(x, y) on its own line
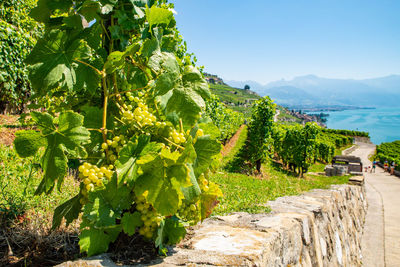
point(381, 239)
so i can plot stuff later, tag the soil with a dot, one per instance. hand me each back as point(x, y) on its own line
point(28, 248)
point(132, 250)
point(232, 142)
point(8, 127)
point(20, 246)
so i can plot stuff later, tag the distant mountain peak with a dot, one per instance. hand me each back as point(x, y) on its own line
point(313, 90)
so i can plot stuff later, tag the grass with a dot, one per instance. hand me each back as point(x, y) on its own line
point(317, 167)
point(244, 193)
point(320, 167)
point(230, 94)
point(339, 151)
point(19, 179)
point(286, 118)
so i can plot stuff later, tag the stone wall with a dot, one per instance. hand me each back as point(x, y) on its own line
point(318, 228)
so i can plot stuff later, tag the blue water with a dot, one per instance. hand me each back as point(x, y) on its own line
point(383, 124)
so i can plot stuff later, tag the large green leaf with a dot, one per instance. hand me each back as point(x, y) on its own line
point(206, 148)
point(99, 211)
point(67, 139)
point(185, 103)
point(164, 195)
point(171, 231)
point(131, 221)
point(164, 192)
point(118, 197)
point(53, 61)
point(126, 165)
point(157, 15)
point(168, 73)
point(193, 191)
point(208, 200)
point(28, 142)
point(95, 241)
point(69, 210)
point(45, 9)
point(192, 78)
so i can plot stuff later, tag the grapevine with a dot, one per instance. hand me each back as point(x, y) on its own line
point(259, 138)
point(130, 103)
point(226, 120)
point(389, 152)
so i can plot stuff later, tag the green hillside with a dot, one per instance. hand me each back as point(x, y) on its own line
point(240, 100)
point(236, 96)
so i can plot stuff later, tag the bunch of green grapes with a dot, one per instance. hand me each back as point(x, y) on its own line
point(92, 177)
point(203, 182)
point(178, 138)
point(113, 147)
point(139, 113)
point(190, 212)
point(151, 219)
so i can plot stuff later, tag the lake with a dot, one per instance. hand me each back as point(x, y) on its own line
point(383, 124)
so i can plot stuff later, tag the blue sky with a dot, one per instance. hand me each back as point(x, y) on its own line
point(265, 40)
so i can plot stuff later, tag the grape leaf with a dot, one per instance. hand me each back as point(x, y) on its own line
point(115, 61)
point(157, 15)
point(164, 192)
point(169, 74)
point(205, 148)
point(45, 8)
point(65, 140)
point(69, 210)
point(193, 191)
point(171, 231)
point(118, 198)
point(28, 142)
point(185, 103)
point(98, 211)
point(126, 165)
point(52, 61)
point(164, 195)
point(94, 241)
point(130, 222)
point(209, 200)
point(89, 9)
point(192, 78)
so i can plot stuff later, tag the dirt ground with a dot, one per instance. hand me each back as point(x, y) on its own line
point(232, 142)
point(8, 126)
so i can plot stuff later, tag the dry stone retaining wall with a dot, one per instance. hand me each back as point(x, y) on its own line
point(318, 228)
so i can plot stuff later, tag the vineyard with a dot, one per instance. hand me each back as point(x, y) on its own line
point(347, 132)
point(389, 152)
point(121, 146)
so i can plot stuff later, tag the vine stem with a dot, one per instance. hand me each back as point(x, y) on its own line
point(97, 130)
point(178, 146)
point(141, 68)
point(90, 66)
point(128, 91)
point(104, 125)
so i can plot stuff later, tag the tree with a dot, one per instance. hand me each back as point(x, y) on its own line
point(247, 87)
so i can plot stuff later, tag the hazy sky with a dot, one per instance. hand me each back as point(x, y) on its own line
point(267, 40)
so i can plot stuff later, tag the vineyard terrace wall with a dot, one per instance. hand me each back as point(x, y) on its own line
point(318, 228)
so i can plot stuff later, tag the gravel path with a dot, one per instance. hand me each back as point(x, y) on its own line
point(381, 239)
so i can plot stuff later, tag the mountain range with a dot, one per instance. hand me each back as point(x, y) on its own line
point(311, 91)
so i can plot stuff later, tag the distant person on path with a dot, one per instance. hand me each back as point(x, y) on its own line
point(392, 168)
point(385, 166)
point(373, 166)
